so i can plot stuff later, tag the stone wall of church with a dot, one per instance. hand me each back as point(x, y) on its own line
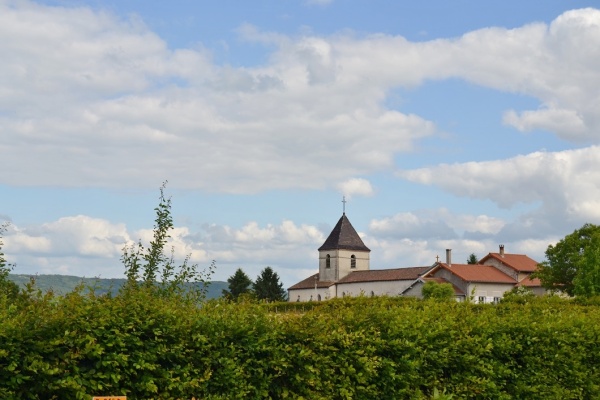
point(341, 263)
point(318, 294)
point(381, 288)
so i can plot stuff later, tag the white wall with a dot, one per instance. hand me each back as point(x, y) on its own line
point(488, 291)
point(309, 294)
point(380, 288)
point(340, 263)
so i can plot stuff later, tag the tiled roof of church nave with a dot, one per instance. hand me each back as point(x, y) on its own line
point(309, 283)
point(378, 275)
point(374, 275)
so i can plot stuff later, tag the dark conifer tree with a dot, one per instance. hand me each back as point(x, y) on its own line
point(239, 283)
point(268, 287)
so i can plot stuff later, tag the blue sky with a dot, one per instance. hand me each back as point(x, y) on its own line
point(456, 125)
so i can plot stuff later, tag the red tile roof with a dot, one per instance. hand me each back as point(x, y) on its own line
point(477, 273)
point(518, 262)
point(309, 283)
point(377, 275)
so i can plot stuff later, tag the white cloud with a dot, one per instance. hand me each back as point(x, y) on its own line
point(355, 187)
point(563, 122)
point(116, 87)
point(557, 64)
point(79, 235)
point(410, 226)
point(566, 184)
point(89, 97)
point(407, 252)
point(85, 246)
point(418, 238)
point(440, 224)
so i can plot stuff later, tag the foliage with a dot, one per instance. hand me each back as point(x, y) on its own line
point(268, 287)
point(151, 347)
point(239, 283)
point(151, 264)
point(438, 291)
point(64, 284)
point(519, 294)
point(472, 259)
point(559, 270)
point(7, 287)
point(587, 281)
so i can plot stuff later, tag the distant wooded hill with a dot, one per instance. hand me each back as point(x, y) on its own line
point(63, 284)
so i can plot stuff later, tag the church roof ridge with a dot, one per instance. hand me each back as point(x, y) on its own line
point(344, 237)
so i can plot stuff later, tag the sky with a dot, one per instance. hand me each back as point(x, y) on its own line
point(446, 125)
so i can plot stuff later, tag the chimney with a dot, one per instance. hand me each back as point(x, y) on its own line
point(449, 257)
point(502, 250)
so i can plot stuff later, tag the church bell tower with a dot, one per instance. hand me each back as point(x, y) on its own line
point(342, 253)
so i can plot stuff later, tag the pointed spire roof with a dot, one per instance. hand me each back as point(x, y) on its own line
point(344, 237)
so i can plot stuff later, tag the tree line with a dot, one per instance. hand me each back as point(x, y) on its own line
point(572, 265)
point(267, 286)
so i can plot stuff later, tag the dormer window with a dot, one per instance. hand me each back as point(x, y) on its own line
point(352, 261)
point(328, 261)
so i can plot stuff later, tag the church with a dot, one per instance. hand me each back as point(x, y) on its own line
point(344, 270)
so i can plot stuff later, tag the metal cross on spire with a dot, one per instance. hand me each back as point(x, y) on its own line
point(344, 202)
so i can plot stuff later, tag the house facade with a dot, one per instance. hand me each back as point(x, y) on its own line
point(476, 282)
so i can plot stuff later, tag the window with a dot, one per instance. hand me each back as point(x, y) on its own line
point(372, 293)
point(496, 300)
point(318, 297)
point(328, 261)
point(481, 299)
point(352, 261)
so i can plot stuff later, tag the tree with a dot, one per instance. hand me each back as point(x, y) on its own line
point(438, 291)
point(519, 294)
point(268, 287)
point(7, 287)
point(587, 281)
point(239, 283)
point(148, 265)
point(563, 260)
point(472, 259)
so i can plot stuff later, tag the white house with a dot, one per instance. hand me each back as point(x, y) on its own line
point(485, 283)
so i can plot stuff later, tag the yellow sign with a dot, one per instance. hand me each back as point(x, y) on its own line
point(109, 398)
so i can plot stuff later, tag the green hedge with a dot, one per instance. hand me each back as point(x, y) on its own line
point(147, 347)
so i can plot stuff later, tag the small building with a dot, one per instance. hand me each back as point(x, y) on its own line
point(518, 266)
